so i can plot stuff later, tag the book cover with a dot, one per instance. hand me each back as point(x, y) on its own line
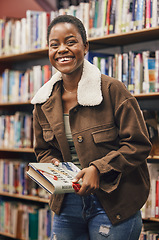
point(148, 13)
point(54, 179)
point(157, 70)
point(91, 17)
point(33, 225)
point(131, 72)
point(139, 14)
point(124, 15)
point(133, 15)
point(154, 13)
point(108, 15)
point(104, 16)
point(125, 68)
point(157, 199)
point(151, 73)
point(150, 205)
point(157, 12)
point(112, 17)
point(151, 119)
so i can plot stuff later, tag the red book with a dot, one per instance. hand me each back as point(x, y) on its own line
point(157, 199)
point(108, 15)
point(148, 13)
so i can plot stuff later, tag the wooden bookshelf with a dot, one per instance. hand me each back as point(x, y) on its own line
point(24, 197)
point(17, 150)
point(15, 104)
point(9, 236)
point(108, 41)
point(154, 95)
point(123, 39)
point(151, 219)
point(33, 54)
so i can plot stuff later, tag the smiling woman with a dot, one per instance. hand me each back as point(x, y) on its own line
point(92, 120)
point(67, 48)
point(66, 52)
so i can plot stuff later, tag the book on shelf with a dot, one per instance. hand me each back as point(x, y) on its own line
point(25, 221)
point(148, 14)
point(140, 14)
point(124, 11)
point(55, 179)
point(21, 86)
point(133, 18)
point(112, 17)
point(151, 207)
point(16, 130)
point(152, 122)
point(108, 16)
point(157, 70)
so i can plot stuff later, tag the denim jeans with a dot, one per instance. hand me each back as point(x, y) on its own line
point(83, 218)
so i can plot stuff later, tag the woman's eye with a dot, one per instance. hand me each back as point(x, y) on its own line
point(53, 45)
point(71, 42)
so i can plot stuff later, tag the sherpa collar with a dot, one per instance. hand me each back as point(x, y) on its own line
point(89, 87)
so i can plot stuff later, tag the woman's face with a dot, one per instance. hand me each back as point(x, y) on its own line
point(66, 48)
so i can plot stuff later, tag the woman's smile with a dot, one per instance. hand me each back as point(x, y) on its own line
point(66, 49)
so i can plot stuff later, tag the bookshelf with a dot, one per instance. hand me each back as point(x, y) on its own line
point(108, 43)
point(123, 39)
point(146, 100)
point(26, 198)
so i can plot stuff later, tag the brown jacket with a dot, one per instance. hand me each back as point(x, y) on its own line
point(108, 131)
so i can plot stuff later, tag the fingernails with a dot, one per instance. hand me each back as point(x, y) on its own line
point(74, 180)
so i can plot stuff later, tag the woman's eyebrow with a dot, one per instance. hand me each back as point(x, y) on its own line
point(66, 38)
point(53, 39)
point(69, 37)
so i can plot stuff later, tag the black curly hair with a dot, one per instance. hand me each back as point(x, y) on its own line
point(68, 19)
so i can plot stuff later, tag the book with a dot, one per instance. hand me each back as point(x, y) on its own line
point(151, 119)
point(55, 179)
point(157, 199)
point(152, 73)
point(139, 14)
point(134, 6)
point(108, 15)
point(157, 70)
point(112, 17)
point(148, 13)
point(150, 206)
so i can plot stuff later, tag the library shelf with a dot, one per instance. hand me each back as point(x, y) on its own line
point(144, 35)
point(152, 219)
point(154, 157)
point(4, 104)
point(8, 235)
point(18, 150)
point(154, 95)
point(32, 54)
point(125, 38)
point(112, 40)
point(24, 197)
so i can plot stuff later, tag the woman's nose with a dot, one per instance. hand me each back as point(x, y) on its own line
point(62, 48)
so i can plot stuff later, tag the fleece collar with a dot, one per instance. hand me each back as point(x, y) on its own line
point(89, 87)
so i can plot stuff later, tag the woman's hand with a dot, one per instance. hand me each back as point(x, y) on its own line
point(90, 180)
point(55, 161)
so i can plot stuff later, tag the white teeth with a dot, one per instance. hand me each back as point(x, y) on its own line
point(64, 59)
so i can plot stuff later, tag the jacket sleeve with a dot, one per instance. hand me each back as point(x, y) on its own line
point(43, 150)
point(134, 145)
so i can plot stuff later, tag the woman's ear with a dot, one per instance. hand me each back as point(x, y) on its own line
point(86, 48)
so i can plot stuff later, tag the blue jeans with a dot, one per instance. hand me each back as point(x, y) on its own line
point(83, 218)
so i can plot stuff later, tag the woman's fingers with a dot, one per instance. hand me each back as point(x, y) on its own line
point(55, 161)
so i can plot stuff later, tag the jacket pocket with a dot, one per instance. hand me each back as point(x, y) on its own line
point(105, 135)
point(48, 134)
